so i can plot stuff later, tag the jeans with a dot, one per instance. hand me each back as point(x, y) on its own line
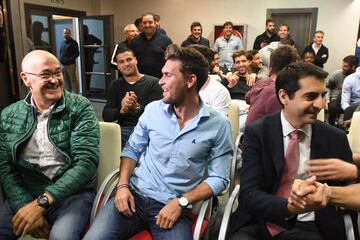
point(68, 218)
point(110, 224)
point(126, 131)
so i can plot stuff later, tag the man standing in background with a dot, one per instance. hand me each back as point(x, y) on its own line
point(266, 37)
point(320, 51)
point(69, 51)
point(195, 37)
point(226, 45)
point(149, 47)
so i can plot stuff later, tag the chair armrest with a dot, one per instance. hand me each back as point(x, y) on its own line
point(200, 219)
point(233, 164)
point(104, 185)
point(227, 213)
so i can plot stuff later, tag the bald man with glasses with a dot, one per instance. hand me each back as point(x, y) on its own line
point(48, 156)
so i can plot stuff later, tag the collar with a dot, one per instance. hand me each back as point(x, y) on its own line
point(204, 110)
point(56, 107)
point(288, 128)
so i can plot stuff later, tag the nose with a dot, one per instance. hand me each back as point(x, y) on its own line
point(161, 81)
point(319, 102)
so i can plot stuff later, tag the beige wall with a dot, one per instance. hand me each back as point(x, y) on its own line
point(338, 19)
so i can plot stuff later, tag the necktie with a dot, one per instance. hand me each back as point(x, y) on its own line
point(291, 165)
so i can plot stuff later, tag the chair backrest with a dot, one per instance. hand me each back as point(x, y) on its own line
point(321, 115)
point(354, 133)
point(110, 149)
point(233, 115)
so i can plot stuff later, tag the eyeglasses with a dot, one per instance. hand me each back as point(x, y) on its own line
point(47, 75)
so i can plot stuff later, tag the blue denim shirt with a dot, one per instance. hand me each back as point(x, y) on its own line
point(172, 161)
point(351, 90)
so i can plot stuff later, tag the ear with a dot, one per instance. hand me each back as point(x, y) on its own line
point(25, 79)
point(284, 98)
point(191, 81)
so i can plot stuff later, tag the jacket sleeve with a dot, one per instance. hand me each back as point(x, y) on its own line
point(11, 179)
point(84, 150)
point(254, 200)
point(111, 111)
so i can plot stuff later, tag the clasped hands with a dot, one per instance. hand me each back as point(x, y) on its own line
point(233, 79)
point(129, 102)
point(307, 196)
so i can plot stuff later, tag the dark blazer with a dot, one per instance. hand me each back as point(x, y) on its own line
point(263, 162)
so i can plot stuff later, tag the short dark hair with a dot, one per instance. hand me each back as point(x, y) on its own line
point(207, 52)
point(351, 60)
point(192, 62)
point(287, 41)
point(122, 50)
point(251, 53)
point(281, 57)
point(269, 20)
point(137, 22)
point(288, 78)
point(227, 24)
point(146, 14)
point(195, 24)
point(156, 17)
point(238, 53)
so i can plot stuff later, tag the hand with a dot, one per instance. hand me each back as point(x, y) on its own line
point(128, 102)
point(263, 44)
point(216, 69)
point(40, 229)
point(331, 169)
point(125, 202)
point(347, 124)
point(308, 196)
point(250, 79)
point(327, 101)
point(233, 79)
point(300, 189)
point(169, 214)
point(26, 217)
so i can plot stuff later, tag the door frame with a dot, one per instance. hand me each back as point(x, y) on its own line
point(295, 11)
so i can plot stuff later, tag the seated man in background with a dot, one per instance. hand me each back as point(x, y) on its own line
point(48, 156)
point(350, 95)
point(308, 57)
point(335, 84)
point(213, 93)
point(176, 140)
point(281, 147)
point(262, 96)
point(238, 82)
point(257, 69)
point(129, 95)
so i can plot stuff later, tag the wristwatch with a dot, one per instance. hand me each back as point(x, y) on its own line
point(183, 201)
point(43, 201)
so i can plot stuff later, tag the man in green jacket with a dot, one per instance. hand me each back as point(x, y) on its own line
point(48, 156)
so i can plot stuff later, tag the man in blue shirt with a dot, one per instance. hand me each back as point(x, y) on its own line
point(351, 90)
point(176, 140)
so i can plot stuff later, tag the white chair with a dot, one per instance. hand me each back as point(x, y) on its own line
point(233, 115)
point(354, 133)
point(230, 207)
point(109, 161)
point(321, 115)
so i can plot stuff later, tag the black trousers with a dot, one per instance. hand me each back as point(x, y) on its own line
point(301, 231)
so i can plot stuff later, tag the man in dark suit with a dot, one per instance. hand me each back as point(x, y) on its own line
point(273, 157)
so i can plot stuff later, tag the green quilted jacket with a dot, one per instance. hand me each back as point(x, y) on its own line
point(72, 128)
